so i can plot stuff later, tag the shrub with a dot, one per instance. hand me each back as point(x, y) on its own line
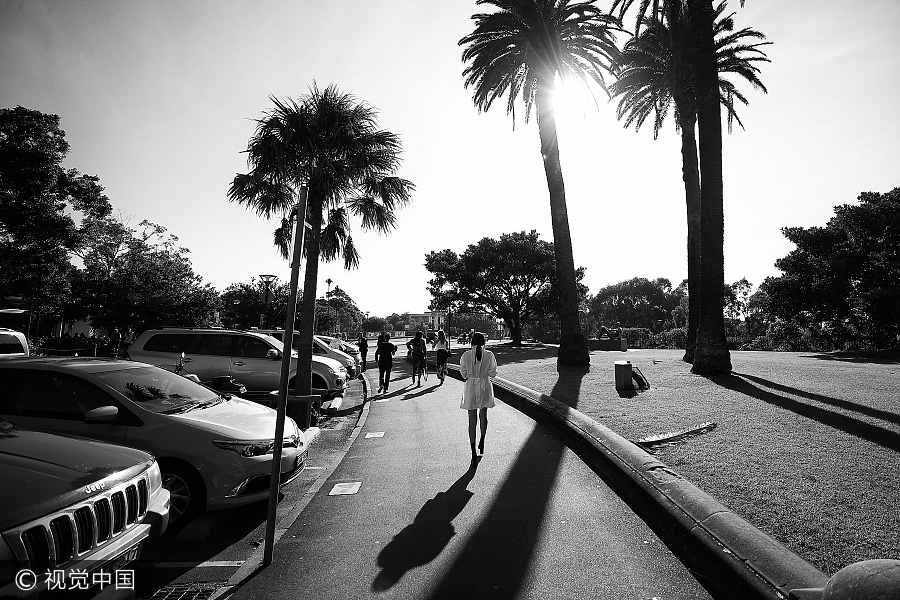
point(673, 339)
point(637, 337)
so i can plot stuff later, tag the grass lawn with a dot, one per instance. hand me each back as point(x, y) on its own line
point(807, 446)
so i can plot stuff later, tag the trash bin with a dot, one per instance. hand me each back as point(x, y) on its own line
point(623, 375)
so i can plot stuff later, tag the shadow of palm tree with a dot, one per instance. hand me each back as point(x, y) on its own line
point(878, 357)
point(422, 541)
point(860, 408)
point(494, 562)
point(867, 431)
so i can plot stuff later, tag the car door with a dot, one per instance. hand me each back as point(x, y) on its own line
point(208, 355)
point(251, 366)
point(57, 402)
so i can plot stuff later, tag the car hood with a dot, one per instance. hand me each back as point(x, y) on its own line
point(236, 418)
point(326, 361)
point(42, 472)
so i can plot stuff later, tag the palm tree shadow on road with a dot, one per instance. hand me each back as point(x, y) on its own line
point(422, 541)
point(495, 561)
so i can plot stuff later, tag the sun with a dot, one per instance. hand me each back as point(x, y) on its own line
point(577, 109)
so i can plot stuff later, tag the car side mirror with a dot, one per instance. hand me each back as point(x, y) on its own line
point(102, 414)
point(272, 353)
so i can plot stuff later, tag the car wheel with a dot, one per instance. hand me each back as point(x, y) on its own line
point(186, 490)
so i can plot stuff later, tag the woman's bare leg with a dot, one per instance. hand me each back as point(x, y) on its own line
point(484, 421)
point(473, 419)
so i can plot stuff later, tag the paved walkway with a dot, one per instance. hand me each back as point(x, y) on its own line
point(531, 521)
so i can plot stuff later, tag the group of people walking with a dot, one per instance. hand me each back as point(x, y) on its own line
point(477, 365)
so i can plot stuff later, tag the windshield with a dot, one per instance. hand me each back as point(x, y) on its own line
point(278, 345)
point(158, 390)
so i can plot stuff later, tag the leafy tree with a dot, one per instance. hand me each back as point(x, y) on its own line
point(845, 275)
point(138, 280)
point(327, 318)
point(510, 278)
point(521, 49)
point(465, 322)
point(327, 143)
point(374, 324)
point(349, 316)
point(655, 73)
point(637, 302)
point(243, 303)
point(37, 200)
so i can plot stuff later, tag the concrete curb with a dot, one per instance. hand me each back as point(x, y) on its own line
point(255, 560)
point(728, 555)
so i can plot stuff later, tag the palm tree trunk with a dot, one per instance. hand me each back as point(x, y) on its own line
point(711, 355)
point(573, 349)
point(691, 176)
point(303, 384)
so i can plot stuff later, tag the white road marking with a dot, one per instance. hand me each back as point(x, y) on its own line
point(375, 434)
point(345, 489)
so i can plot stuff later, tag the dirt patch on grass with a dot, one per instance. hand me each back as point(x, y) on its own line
point(807, 448)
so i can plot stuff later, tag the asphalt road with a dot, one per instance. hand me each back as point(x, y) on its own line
point(531, 521)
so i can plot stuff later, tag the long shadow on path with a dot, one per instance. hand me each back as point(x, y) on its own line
point(867, 431)
point(430, 532)
point(495, 561)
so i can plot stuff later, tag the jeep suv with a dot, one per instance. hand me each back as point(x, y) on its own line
point(71, 505)
point(252, 358)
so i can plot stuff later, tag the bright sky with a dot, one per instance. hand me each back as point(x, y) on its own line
point(158, 99)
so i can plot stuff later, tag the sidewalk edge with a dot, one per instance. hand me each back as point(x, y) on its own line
point(254, 561)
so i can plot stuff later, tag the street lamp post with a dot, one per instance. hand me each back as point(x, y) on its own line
point(267, 297)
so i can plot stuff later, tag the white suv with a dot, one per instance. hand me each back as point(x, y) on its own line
point(322, 346)
point(12, 343)
point(252, 358)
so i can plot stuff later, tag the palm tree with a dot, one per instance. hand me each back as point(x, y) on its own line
point(521, 49)
point(329, 143)
point(655, 73)
point(711, 356)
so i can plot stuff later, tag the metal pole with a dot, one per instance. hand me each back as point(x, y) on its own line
point(287, 349)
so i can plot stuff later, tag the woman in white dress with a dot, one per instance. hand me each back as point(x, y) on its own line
point(476, 366)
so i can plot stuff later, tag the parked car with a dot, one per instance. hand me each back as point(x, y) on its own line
point(322, 347)
point(13, 343)
point(250, 357)
point(70, 504)
point(346, 347)
point(215, 451)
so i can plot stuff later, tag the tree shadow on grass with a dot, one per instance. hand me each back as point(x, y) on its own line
point(422, 541)
point(878, 357)
point(860, 408)
point(867, 431)
point(495, 561)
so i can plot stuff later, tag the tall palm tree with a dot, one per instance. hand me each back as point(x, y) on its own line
point(711, 356)
point(655, 73)
point(521, 49)
point(328, 142)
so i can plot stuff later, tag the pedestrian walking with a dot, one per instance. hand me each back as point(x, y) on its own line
point(442, 346)
point(363, 345)
point(416, 347)
point(384, 356)
point(476, 367)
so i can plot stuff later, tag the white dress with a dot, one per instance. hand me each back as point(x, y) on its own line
point(478, 391)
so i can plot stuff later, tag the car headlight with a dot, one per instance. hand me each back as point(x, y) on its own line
point(246, 448)
point(331, 369)
point(155, 477)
